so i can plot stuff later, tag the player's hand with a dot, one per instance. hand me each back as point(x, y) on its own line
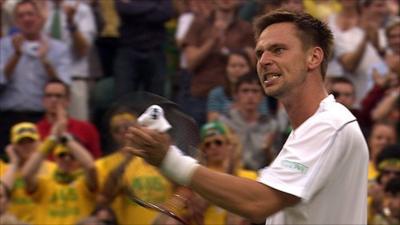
point(147, 143)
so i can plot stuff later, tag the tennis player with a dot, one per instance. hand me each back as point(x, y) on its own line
point(320, 175)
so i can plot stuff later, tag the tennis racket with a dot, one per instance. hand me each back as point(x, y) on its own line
point(184, 134)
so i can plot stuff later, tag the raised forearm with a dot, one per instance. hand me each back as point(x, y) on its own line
point(350, 61)
point(113, 184)
point(80, 45)
point(11, 64)
point(81, 154)
point(9, 176)
point(196, 55)
point(51, 72)
point(385, 106)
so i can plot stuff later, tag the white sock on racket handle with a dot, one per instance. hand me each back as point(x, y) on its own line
point(175, 164)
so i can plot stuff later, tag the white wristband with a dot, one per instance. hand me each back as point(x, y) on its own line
point(178, 167)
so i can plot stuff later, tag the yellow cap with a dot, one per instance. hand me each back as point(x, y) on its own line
point(24, 130)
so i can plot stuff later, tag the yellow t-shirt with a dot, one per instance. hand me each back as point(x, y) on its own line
point(21, 204)
point(372, 172)
point(215, 215)
point(145, 181)
point(61, 204)
point(3, 167)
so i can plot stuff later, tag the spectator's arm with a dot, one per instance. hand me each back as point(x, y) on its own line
point(351, 60)
point(32, 166)
point(12, 62)
point(113, 184)
point(196, 55)
point(9, 176)
point(81, 25)
point(85, 159)
point(387, 104)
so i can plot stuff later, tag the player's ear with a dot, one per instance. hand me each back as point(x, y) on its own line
point(315, 57)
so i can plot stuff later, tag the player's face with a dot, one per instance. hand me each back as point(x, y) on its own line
point(236, 67)
point(281, 60)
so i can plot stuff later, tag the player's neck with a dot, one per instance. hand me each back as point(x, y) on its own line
point(303, 106)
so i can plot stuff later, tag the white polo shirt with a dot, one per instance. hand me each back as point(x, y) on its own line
point(324, 162)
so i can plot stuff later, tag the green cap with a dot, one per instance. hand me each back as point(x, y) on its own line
point(213, 128)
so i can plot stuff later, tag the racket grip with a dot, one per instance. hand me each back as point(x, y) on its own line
point(178, 167)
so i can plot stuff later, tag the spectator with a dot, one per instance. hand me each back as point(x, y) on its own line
point(69, 194)
point(140, 62)
point(28, 60)
point(382, 134)
point(56, 101)
point(256, 131)
point(360, 47)
point(219, 150)
point(73, 23)
point(108, 34)
point(121, 175)
point(344, 92)
point(6, 22)
point(387, 164)
point(322, 9)
point(7, 182)
point(220, 98)
point(343, 24)
point(24, 142)
point(295, 5)
point(391, 211)
point(206, 45)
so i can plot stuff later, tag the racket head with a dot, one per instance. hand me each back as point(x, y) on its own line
point(184, 132)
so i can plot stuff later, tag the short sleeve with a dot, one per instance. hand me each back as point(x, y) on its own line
point(302, 167)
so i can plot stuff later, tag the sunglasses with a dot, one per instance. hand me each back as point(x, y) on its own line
point(217, 143)
point(388, 172)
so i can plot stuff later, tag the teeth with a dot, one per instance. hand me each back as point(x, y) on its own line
point(271, 76)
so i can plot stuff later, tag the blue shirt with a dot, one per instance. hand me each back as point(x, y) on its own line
point(24, 90)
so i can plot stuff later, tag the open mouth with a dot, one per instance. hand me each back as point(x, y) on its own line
point(269, 77)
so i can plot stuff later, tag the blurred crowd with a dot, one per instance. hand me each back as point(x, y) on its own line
point(67, 67)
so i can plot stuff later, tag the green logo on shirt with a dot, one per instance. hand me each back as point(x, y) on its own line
point(294, 166)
